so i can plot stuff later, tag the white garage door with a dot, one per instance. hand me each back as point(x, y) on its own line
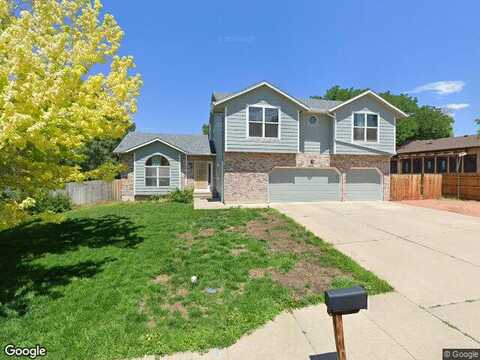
point(291, 185)
point(363, 184)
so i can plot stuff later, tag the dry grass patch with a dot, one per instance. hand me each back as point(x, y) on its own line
point(161, 279)
point(176, 307)
point(307, 278)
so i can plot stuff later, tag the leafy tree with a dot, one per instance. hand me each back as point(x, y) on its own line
point(425, 122)
point(205, 129)
point(478, 123)
point(52, 100)
point(340, 94)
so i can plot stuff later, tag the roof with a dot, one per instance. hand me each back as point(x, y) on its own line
point(450, 143)
point(314, 105)
point(371, 93)
point(223, 97)
point(188, 144)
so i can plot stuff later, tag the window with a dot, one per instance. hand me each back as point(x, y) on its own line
point(429, 165)
point(452, 164)
point(441, 165)
point(406, 166)
point(470, 163)
point(157, 171)
point(263, 121)
point(393, 166)
point(417, 165)
point(365, 127)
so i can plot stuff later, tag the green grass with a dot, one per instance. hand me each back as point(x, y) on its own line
point(82, 286)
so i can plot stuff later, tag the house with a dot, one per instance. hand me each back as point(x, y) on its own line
point(264, 145)
point(439, 156)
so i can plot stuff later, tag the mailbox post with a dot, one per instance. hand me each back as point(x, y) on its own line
point(343, 302)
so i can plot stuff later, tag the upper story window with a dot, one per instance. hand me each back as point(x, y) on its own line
point(157, 171)
point(365, 127)
point(263, 121)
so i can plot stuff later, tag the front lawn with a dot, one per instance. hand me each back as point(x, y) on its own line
point(113, 281)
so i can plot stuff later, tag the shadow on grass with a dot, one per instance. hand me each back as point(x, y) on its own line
point(21, 280)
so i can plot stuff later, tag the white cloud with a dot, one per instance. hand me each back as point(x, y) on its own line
point(455, 106)
point(440, 87)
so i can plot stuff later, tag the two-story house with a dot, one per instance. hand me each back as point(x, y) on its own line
point(265, 145)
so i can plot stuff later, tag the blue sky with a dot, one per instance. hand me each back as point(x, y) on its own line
point(186, 50)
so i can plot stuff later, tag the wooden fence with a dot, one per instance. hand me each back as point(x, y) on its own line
point(92, 192)
point(465, 186)
point(415, 187)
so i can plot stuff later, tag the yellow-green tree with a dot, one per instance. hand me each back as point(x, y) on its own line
point(53, 99)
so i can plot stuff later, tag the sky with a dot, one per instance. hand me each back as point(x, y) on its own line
point(185, 50)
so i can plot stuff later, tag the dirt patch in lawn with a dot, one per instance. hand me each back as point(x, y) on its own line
point(161, 279)
point(186, 236)
point(257, 273)
point(306, 278)
point(206, 232)
point(182, 292)
point(177, 307)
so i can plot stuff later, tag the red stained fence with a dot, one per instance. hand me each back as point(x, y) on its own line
point(464, 186)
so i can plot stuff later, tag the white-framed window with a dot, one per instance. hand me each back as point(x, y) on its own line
point(263, 121)
point(157, 171)
point(365, 127)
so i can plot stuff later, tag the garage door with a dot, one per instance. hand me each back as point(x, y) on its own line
point(363, 184)
point(290, 185)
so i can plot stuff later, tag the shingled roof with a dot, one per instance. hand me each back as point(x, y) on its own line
point(450, 143)
point(189, 144)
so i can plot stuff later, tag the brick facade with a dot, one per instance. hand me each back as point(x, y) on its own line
point(246, 174)
point(127, 192)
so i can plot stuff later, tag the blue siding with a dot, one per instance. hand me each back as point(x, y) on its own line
point(141, 156)
point(316, 139)
point(344, 144)
point(236, 123)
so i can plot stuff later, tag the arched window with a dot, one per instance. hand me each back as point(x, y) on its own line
point(157, 171)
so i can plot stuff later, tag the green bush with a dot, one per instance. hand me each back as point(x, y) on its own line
point(51, 202)
point(181, 196)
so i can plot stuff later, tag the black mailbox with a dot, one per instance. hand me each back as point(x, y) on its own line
point(346, 301)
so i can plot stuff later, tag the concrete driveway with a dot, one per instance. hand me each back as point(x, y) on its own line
point(430, 257)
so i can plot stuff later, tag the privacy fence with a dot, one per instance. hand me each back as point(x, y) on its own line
point(415, 187)
point(434, 186)
point(92, 192)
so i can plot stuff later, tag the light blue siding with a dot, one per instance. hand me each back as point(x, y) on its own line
point(236, 129)
point(302, 185)
point(344, 129)
point(363, 184)
point(141, 156)
point(317, 138)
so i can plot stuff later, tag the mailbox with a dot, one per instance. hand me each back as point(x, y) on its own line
point(346, 301)
point(342, 302)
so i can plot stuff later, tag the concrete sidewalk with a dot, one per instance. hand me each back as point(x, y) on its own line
point(407, 332)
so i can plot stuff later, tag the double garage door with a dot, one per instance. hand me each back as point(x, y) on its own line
point(302, 185)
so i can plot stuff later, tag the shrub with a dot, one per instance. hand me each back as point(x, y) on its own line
point(157, 197)
point(52, 202)
point(182, 196)
point(11, 214)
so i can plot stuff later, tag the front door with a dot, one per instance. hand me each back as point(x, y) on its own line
point(201, 175)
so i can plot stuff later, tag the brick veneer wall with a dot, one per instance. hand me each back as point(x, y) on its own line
point(246, 175)
point(346, 162)
point(127, 177)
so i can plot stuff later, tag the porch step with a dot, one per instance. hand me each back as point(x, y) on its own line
point(202, 194)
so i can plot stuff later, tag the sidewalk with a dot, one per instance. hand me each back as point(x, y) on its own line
point(378, 333)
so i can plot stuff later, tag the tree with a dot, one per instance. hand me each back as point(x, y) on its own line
point(53, 102)
point(478, 123)
point(425, 122)
point(205, 129)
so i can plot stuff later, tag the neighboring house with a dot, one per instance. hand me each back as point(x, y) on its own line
point(265, 145)
point(446, 155)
